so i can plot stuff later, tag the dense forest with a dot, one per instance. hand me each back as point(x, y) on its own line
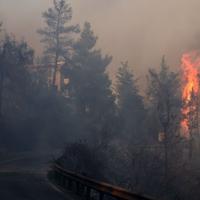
point(110, 129)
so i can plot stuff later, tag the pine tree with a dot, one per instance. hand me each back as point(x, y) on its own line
point(1, 26)
point(14, 57)
point(57, 35)
point(131, 107)
point(89, 85)
point(164, 98)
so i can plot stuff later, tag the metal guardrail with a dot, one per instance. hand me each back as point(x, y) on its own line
point(83, 185)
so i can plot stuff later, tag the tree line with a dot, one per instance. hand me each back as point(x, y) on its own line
point(111, 132)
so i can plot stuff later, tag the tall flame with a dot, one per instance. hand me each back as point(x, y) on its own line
point(190, 67)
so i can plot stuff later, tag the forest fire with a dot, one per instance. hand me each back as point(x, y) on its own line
point(190, 88)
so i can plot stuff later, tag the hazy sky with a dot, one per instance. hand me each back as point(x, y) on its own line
point(140, 31)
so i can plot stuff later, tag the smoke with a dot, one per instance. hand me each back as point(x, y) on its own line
point(140, 31)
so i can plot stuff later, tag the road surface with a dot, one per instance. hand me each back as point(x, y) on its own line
point(25, 186)
point(24, 178)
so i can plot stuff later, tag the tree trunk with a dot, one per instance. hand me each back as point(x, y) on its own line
point(57, 51)
point(1, 96)
point(55, 72)
point(166, 165)
point(191, 147)
point(2, 74)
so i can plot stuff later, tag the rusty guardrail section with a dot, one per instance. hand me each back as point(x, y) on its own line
point(83, 185)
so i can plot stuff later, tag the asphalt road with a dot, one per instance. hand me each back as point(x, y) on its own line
point(25, 186)
point(25, 179)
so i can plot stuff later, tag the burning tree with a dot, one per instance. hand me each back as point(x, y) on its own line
point(163, 93)
point(190, 97)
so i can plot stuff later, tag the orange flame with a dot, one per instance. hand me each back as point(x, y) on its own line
point(190, 67)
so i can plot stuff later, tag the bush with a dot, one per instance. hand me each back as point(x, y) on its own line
point(81, 158)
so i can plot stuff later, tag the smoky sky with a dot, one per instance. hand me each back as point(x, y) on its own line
point(140, 31)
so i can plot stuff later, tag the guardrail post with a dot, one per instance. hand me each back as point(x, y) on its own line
point(84, 186)
point(88, 192)
point(63, 181)
point(77, 187)
point(101, 195)
point(69, 186)
point(58, 179)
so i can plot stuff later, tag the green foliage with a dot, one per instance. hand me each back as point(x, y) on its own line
point(130, 103)
point(117, 127)
point(82, 158)
point(15, 84)
point(90, 87)
point(164, 97)
point(56, 35)
point(15, 56)
point(30, 113)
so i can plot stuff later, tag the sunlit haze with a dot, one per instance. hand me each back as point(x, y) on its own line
point(139, 31)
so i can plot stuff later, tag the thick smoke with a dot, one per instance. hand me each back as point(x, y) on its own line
point(136, 30)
